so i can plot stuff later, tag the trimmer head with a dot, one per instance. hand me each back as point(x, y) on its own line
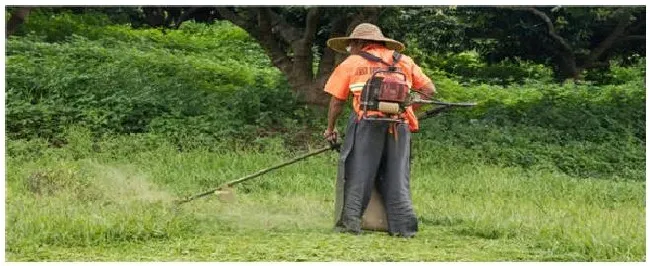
point(226, 194)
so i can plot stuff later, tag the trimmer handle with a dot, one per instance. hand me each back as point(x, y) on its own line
point(335, 145)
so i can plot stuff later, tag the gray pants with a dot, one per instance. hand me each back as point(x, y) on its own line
point(371, 156)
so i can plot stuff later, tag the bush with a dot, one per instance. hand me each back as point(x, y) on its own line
point(620, 71)
point(212, 85)
point(468, 68)
point(174, 85)
point(582, 130)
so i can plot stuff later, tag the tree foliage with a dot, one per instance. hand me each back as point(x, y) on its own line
point(571, 39)
point(574, 41)
point(209, 86)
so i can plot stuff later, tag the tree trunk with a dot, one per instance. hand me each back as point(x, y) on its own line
point(616, 34)
point(17, 19)
point(313, 94)
point(154, 16)
point(290, 46)
point(567, 67)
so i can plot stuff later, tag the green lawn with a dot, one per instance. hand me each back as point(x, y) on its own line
point(116, 205)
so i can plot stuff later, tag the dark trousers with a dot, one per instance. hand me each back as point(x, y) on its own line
point(371, 156)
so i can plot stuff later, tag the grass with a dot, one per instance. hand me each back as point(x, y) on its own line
point(113, 202)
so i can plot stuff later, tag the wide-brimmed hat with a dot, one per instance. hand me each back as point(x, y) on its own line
point(365, 31)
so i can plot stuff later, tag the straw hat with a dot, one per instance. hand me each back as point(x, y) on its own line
point(365, 31)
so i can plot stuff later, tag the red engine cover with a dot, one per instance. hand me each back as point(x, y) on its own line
point(393, 90)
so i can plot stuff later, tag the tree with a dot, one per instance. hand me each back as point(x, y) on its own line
point(173, 16)
point(571, 39)
point(294, 37)
point(436, 29)
point(17, 18)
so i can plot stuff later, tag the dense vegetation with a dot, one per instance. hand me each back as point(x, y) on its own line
point(91, 103)
point(202, 85)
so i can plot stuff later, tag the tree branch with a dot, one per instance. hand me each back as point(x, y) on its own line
point(618, 31)
point(328, 59)
point(311, 24)
point(549, 26)
point(260, 30)
point(566, 54)
point(303, 57)
point(236, 19)
point(266, 38)
point(286, 31)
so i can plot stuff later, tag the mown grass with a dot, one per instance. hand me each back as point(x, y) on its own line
point(511, 179)
point(111, 200)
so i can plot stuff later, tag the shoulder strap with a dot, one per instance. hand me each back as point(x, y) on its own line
point(373, 58)
point(396, 57)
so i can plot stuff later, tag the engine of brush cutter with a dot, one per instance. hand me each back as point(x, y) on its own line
point(387, 94)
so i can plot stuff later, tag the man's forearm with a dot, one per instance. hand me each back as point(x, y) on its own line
point(336, 106)
point(429, 90)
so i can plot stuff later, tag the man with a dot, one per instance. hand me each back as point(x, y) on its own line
point(374, 153)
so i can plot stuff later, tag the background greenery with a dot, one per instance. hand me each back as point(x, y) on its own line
point(107, 124)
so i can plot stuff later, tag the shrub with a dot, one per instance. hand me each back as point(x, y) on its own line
point(163, 85)
point(210, 85)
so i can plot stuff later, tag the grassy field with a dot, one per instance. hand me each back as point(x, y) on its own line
point(537, 171)
point(112, 201)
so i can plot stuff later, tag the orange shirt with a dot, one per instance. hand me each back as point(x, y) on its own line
point(351, 75)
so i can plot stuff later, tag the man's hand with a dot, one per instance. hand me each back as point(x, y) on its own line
point(335, 108)
point(331, 135)
point(428, 91)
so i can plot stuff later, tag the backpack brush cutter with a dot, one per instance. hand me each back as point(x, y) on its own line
point(226, 193)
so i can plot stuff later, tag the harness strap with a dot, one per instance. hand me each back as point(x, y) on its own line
point(392, 129)
point(396, 57)
point(374, 58)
